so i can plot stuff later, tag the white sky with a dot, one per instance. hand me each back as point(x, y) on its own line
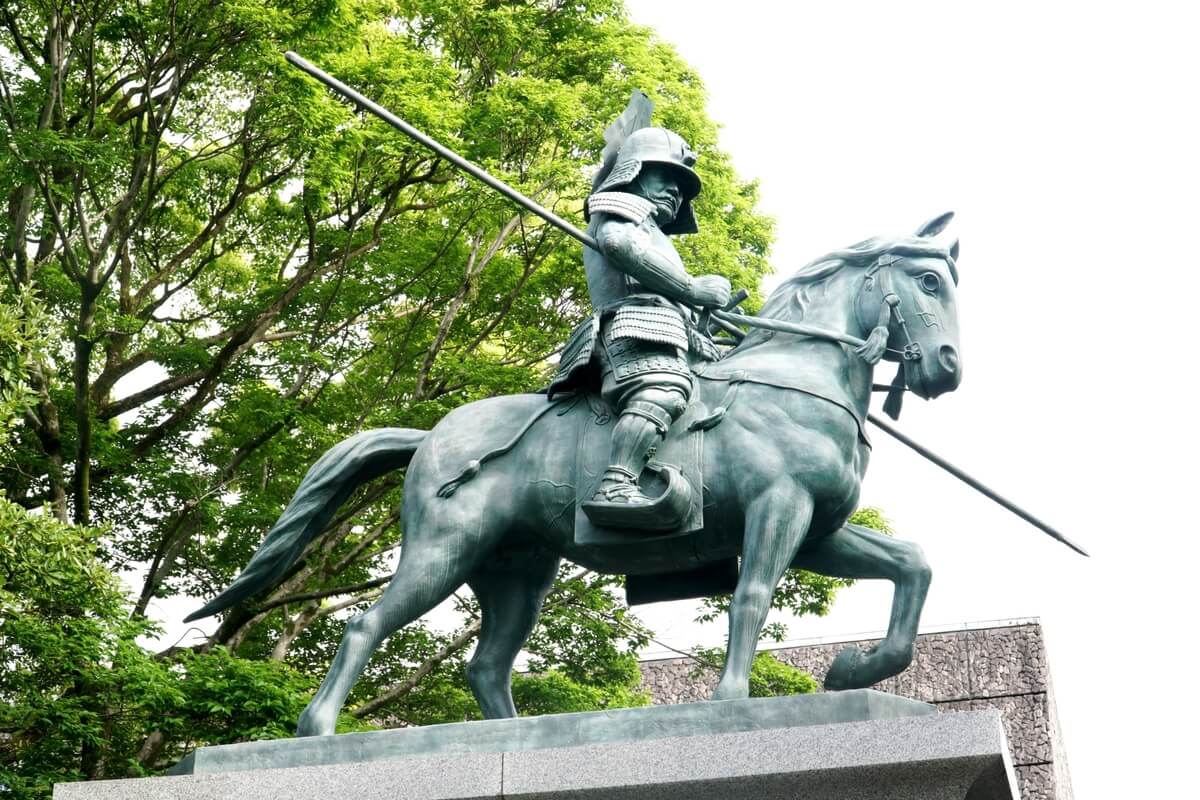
point(1065, 136)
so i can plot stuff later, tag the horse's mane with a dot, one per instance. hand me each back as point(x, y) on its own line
point(859, 255)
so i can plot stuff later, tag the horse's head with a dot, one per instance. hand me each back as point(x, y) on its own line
point(913, 281)
point(898, 291)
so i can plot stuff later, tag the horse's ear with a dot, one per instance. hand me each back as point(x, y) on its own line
point(935, 225)
point(954, 250)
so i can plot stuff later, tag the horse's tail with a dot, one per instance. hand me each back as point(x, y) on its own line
point(342, 469)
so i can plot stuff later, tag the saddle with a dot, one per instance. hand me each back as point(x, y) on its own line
point(676, 466)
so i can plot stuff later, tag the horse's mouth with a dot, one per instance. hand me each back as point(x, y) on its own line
point(935, 374)
point(914, 376)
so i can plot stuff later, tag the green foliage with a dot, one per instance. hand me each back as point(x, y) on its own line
point(555, 693)
point(872, 518)
point(770, 677)
point(22, 343)
point(65, 649)
point(73, 680)
point(81, 698)
point(227, 699)
point(587, 632)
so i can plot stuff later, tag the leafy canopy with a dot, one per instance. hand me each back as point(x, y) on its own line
point(211, 270)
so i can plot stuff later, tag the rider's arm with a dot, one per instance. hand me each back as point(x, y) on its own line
point(627, 247)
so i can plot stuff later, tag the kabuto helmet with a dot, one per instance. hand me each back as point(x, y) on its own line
point(658, 146)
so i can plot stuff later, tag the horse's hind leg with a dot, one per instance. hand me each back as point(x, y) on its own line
point(424, 578)
point(858, 552)
point(510, 589)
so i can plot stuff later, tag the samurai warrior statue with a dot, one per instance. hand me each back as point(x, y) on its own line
point(639, 338)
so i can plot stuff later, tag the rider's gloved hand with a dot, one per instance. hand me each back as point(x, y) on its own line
point(711, 291)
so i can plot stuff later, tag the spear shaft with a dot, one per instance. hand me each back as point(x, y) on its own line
point(729, 320)
point(974, 484)
point(454, 158)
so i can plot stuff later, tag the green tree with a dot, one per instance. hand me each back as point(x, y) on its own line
point(80, 698)
point(237, 271)
point(74, 684)
point(242, 270)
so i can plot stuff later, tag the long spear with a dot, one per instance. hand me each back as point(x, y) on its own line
point(729, 319)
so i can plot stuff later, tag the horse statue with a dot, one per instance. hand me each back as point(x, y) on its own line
point(490, 492)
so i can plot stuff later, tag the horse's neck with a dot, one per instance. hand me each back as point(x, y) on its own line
point(827, 304)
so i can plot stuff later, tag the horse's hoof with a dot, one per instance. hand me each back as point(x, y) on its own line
point(727, 693)
point(842, 671)
point(311, 724)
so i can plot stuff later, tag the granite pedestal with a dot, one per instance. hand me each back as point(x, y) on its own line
point(859, 745)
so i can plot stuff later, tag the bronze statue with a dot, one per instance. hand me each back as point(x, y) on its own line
point(777, 427)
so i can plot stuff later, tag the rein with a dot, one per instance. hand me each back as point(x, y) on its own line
point(727, 320)
point(912, 350)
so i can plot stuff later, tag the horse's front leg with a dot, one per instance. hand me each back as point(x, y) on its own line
point(776, 524)
point(858, 552)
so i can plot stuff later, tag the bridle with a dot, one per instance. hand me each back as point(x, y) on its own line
point(890, 305)
point(878, 273)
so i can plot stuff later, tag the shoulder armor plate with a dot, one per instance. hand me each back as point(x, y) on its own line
point(621, 204)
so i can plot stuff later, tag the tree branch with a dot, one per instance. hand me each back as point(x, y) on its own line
point(306, 596)
point(18, 39)
point(459, 642)
point(163, 387)
point(475, 265)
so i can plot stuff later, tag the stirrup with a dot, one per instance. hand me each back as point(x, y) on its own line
point(667, 512)
point(619, 485)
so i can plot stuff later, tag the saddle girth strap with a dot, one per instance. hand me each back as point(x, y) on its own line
point(712, 420)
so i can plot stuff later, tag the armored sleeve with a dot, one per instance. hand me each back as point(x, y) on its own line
point(627, 247)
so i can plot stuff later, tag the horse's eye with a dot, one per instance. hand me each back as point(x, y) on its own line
point(930, 282)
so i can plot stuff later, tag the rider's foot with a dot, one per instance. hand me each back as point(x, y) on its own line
point(620, 486)
point(620, 503)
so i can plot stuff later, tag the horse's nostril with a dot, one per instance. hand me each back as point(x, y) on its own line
point(948, 358)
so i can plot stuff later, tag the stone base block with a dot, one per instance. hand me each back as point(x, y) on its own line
point(859, 745)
